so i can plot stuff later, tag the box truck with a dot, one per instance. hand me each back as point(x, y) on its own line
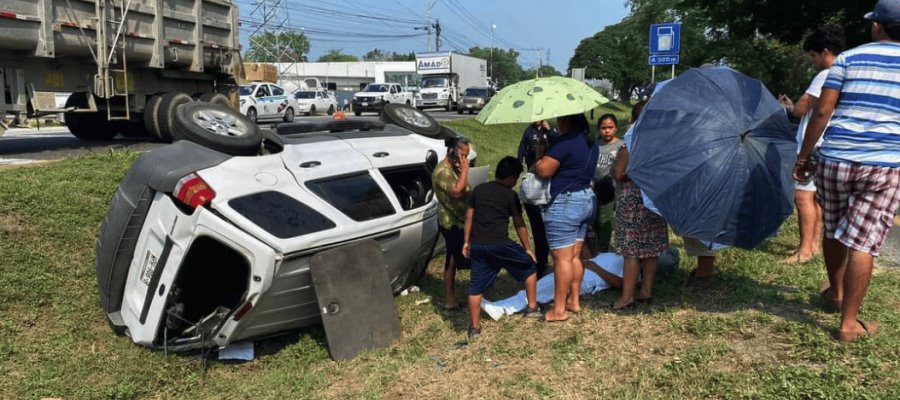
point(445, 76)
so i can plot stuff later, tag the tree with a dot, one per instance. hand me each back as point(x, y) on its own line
point(786, 21)
point(336, 55)
point(503, 64)
point(280, 47)
point(411, 56)
point(376, 55)
point(548, 70)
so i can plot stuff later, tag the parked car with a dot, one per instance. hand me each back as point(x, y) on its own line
point(376, 95)
point(209, 241)
point(474, 99)
point(262, 100)
point(312, 101)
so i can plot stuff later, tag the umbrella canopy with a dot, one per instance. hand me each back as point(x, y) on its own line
point(541, 98)
point(713, 149)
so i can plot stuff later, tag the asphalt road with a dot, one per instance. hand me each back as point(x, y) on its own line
point(25, 146)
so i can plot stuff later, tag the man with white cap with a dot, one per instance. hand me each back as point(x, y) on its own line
point(858, 177)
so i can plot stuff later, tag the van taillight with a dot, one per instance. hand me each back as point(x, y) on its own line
point(193, 191)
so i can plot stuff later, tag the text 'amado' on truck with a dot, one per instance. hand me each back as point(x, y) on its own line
point(127, 64)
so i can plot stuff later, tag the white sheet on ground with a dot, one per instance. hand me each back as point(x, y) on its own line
point(592, 283)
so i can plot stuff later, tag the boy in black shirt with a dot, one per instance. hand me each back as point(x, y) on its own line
point(487, 243)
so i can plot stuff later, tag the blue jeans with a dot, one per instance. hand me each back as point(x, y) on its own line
point(568, 217)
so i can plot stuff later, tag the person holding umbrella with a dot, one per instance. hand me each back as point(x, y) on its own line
point(858, 177)
point(569, 164)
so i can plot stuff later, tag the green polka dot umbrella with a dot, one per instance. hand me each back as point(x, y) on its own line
point(541, 98)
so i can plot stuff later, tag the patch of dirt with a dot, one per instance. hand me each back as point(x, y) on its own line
point(12, 224)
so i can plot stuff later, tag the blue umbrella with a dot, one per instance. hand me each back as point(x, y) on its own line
point(713, 150)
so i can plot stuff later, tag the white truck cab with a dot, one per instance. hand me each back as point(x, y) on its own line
point(376, 95)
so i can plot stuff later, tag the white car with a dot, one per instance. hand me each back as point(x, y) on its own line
point(261, 100)
point(209, 244)
point(376, 95)
point(310, 102)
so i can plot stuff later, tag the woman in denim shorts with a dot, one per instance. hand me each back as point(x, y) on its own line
point(569, 164)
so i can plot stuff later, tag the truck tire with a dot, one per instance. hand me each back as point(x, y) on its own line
point(215, 98)
point(151, 117)
point(87, 125)
point(218, 127)
point(166, 115)
point(410, 118)
point(449, 105)
point(357, 113)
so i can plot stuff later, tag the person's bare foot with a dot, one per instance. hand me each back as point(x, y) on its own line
point(551, 317)
point(621, 305)
point(797, 258)
point(573, 307)
point(641, 297)
point(861, 329)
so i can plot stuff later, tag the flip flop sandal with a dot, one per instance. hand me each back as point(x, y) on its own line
point(870, 328)
point(831, 304)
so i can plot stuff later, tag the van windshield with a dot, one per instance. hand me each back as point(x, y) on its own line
point(437, 82)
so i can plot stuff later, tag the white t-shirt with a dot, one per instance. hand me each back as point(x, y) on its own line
point(815, 90)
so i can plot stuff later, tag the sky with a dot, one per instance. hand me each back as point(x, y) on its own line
point(541, 31)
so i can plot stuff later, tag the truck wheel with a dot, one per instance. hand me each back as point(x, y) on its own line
point(151, 117)
point(218, 127)
point(459, 111)
point(312, 110)
point(330, 110)
point(449, 106)
point(215, 98)
point(357, 113)
point(166, 115)
point(411, 119)
point(87, 125)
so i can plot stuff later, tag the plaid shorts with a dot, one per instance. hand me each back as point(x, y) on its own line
point(858, 203)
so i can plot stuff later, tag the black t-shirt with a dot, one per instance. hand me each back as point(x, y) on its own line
point(494, 204)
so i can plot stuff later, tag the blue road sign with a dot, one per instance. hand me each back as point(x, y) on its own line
point(665, 38)
point(664, 59)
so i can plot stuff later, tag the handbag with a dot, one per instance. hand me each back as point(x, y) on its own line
point(534, 190)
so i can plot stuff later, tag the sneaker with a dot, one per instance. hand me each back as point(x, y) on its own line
point(474, 333)
point(533, 313)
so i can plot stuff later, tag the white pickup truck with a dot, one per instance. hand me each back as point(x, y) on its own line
point(376, 95)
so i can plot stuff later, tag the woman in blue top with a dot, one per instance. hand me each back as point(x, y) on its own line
point(569, 164)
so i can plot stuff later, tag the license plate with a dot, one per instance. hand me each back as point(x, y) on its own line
point(365, 104)
point(150, 261)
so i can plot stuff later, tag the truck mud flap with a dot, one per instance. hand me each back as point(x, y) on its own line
point(355, 299)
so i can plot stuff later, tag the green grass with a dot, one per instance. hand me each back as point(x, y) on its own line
point(756, 331)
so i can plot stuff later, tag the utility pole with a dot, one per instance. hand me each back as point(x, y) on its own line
point(437, 38)
point(429, 4)
point(491, 58)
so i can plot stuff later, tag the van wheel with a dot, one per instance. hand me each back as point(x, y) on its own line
point(218, 127)
point(411, 119)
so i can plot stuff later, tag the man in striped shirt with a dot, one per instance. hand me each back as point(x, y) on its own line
point(858, 177)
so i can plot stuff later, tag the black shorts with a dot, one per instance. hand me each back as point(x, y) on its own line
point(453, 239)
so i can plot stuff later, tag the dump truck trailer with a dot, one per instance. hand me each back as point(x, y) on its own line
point(127, 63)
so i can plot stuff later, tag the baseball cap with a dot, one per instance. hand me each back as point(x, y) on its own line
point(885, 11)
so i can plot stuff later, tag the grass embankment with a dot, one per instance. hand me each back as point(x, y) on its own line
point(756, 331)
